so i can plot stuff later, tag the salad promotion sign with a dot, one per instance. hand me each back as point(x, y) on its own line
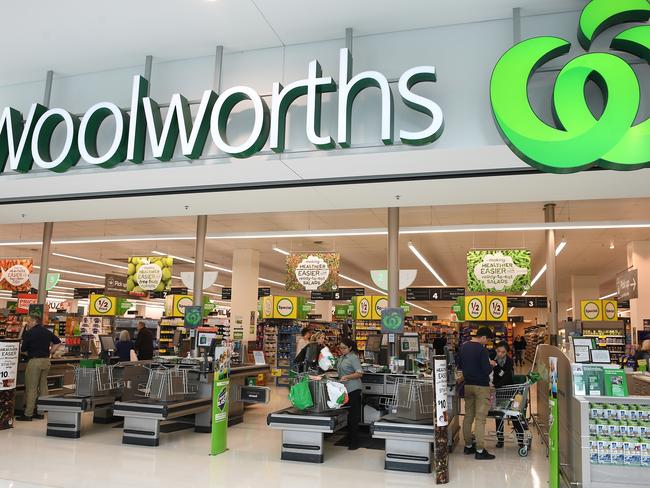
point(314, 271)
point(502, 270)
point(152, 273)
point(14, 274)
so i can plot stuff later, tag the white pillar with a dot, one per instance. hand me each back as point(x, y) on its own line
point(638, 257)
point(324, 309)
point(583, 287)
point(245, 274)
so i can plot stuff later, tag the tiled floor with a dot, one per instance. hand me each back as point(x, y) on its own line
point(29, 459)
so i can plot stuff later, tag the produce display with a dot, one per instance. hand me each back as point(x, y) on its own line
point(145, 274)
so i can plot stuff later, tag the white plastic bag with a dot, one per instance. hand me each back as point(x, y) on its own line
point(132, 355)
point(338, 395)
point(325, 359)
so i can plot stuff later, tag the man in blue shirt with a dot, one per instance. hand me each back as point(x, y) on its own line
point(476, 366)
point(36, 345)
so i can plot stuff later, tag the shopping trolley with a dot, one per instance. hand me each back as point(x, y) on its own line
point(509, 405)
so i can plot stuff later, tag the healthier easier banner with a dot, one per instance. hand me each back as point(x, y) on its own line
point(502, 270)
point(151, 273)
point(314, 271)
point(14, 274)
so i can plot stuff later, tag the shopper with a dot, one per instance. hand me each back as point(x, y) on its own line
point(476, 367)
point(350, 374)
point(38, 344)
point(307, 359)
point(124, 346)
point(520, 350)
point(303, 339)
point(144, 342)
point(643, 353)
point(504, 372)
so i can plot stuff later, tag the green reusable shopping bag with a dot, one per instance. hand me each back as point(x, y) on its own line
point(300, 396)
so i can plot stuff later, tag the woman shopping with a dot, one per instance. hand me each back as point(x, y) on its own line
point(350, 374)
point(307, 359)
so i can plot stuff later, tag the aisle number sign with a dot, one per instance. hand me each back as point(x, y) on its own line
point(597, 310)
point(102, 305)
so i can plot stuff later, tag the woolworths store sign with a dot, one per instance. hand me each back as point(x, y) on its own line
point(24, 145)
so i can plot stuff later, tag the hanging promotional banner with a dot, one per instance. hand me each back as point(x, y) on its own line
point(115, 285)
point(102, 305)
point(152, 273)
point(313, 271)
point(220, 389)
point(175, 305)
point(209, 279)
point(406, 278)
point(14, 274)
point(500, 270)
point(9, 352)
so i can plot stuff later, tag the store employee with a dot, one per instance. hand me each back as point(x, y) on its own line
point(350, 374)
point(36, 345)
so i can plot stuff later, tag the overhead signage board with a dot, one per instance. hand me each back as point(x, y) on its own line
point(627, 285)
point(226, 293)
point(115, 285)
point(597, 310)
point(26, 138)
point(313, 271)
point(175, 290)
point(340, 294)
point(528, 302)
point(579, 139)
point(450, 293)
point(79, 293)
point(498, 270)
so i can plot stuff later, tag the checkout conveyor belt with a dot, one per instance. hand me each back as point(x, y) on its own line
point(303, 432)
point(64, 413)
point(408, 443)
point(142, 419)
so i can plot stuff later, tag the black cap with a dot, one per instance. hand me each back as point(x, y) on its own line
point(484, 332)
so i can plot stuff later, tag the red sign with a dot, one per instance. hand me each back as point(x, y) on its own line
point(24, 301)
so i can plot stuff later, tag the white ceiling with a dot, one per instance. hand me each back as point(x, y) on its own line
point(587, 252)
point(77, 36)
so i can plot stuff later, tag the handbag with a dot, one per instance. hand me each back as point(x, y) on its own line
point(300, 396)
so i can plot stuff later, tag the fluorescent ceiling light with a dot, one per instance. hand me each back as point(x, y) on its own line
point(94, 285)
point(212, 294)
point(569, 309)
point(365, 285)
point(560, 247)
point(426, 263)
point(609, 296)
point(281, 251)
point(511, 309)
point(86, 260)
point(418, 306)
point(443, 229)
point(211, 266)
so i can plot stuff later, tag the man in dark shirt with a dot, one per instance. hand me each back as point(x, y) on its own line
point(36, 345)
point(144, 343)
point(476, 367)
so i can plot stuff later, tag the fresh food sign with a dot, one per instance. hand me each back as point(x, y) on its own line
point(313, 271)
point(503, 270)
point(579, 138)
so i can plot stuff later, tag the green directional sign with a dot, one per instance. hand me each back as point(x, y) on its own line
point(578, 139)
point(392, 320)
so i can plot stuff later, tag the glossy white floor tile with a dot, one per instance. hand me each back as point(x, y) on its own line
point(31, 460)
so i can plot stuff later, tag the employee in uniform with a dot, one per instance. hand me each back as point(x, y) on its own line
point(38, 344)
point(350, 374)
point(144, 343)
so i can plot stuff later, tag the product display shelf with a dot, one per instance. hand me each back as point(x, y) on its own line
point(8, 325)
point(270, 344)
point(608, 335)
point(221, 324)
point(362, 329)
point(499, 331)
point(534, 336)
point(288, 331)
point(168, 326)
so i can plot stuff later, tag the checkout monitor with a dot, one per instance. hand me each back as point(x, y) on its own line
point(410, 344)
point(107, 342)
point(205, 339)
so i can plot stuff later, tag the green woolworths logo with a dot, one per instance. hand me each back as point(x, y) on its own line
point(580, 139)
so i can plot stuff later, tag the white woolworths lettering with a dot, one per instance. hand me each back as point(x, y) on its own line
point(23, 143)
